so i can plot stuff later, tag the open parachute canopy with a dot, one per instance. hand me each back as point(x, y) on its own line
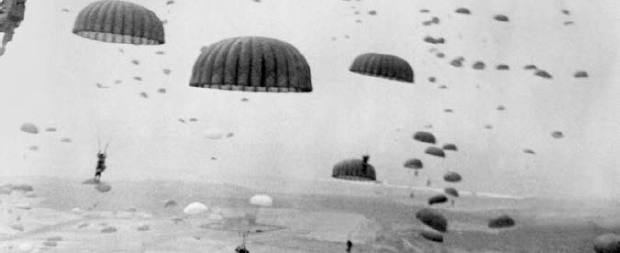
point(433, 219)
point(29, 128)
point(355, 170)
point(452, 177)
point(425, 137)
point(435, 151)
point(117, 21)
point(450, 146)
point(437, 199)
point(261, 200)
point(414, 163)
point(383, 65)
point(256, 64)
point(432, 236)
point(503, 221)
point(451, 191)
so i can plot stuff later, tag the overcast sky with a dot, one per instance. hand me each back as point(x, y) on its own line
point(49, 78)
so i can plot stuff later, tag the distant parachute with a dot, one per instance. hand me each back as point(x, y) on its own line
point(425, 137)
point(432, 236)
point(29, 128)
point(503, 67)
point(117, 21)
point(432, 79)
point(195, 208)
point(167, 71)
point(257, 64)
point(557, 134)
point(463, 11)
point(441, 55)
point(607, 243)
point(66, 140)
point(355, 170)
point(479, 65)
point(384, 66)
point(528, 151)
point(103, 187)
point(543, 74)
point(433, 219)
point(452, 177)
point(435, 151)
point(414, 164)
point(373, 12)
point(457, 62)
point(450, 146)
point(530, 67)
point(261, 200)
point(170, 203)
point(501, 18)
point(451, 191)
point(503, 221)
point(437, 199)
point(581, 74)
point(429, 39)
point(51, 129)
point(501, 108)
point(135, 62)
point(144, 94)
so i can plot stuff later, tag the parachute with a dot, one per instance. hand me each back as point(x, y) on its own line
point(425, 137)
point(414, 164)
point(503, 67)
point(117, 21)
point(607, 243)
point(355, 170)
point(29, 128)
point(479, 65)
point(170, 203)
point(432, 236)
point(433, 219)
point(543, 74)
point(501, 18)
point(463, 10)
point(437, 199)
point(195, 208)
point(503, 221)
point(530, 67)
point(384, 66)
point(581, 74)
point(450, 146)
point(557, 134)
point(435, 151)
point(451, 191)
point(457, 62)
point(257, 64)
point(529, 151)
point(452, 177)
point(103, 187)
point(261, 200)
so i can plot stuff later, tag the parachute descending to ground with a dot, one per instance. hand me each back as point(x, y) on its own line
point(433, 219)
point(503, 221)
point(432, 236)
point(414, 164)
point(384, 66)
point(117, 21)
point(437, 199)
point(425, 137)
point(195, 208)
point(29, 128)
point(355, 170)
point(450, 146)
point(452, 177)
point(435, 151)
point(256, 64)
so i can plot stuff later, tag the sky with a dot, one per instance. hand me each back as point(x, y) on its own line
point(49, 77)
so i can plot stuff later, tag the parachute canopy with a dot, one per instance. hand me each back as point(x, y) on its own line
point(503, 221)
point(29, 128)
point(557, 134)
point(435, 151)
point(433, 219)
point(170, 203)
point(452, 177)
point(581, 74)
point(257, 64)
point(354, 169)
point(463, 10)
point(451, 191)
point(607, 243)
point(479, 65)
point(261, 200)
point(450, 146)
point(543, 74)
point(501, 18)
point(432, 236)
point(529, 151)
point(117, 21)
point(414, 163)
point(195, 208)
point(384, 66)
point(103, 187)
point(503, 67)
point(425, 137)
point(437, 199)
